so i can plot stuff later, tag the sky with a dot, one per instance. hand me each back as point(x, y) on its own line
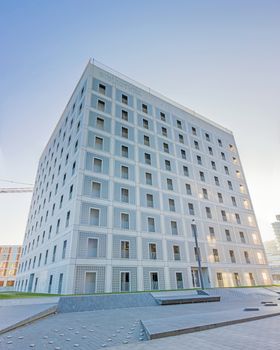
point(219, 58)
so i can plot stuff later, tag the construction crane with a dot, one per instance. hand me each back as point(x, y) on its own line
point(15, 189)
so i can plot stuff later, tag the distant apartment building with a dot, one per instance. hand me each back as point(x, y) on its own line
point(125, 180)
point(9, 261)
point(273, 257)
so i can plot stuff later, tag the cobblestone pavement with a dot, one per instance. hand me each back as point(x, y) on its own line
point(109, 328)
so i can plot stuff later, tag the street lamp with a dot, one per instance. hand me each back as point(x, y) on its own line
point(194, 231)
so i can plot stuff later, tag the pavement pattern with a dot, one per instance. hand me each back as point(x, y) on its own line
point(122, 327)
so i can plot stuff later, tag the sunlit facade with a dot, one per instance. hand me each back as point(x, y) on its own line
point(124, 178)
point(9, 261)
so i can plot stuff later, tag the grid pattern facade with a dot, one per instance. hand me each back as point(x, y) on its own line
point(123, 180)
point(9, 261)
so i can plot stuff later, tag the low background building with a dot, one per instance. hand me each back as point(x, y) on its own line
point(9, 260)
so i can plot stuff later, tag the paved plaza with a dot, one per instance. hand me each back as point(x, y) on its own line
point(122, 328)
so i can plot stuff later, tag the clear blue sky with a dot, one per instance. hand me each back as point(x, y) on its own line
point(220, 58)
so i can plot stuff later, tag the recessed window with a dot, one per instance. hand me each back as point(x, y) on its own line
point(232, 256)
point(144, 108)
point(124, 195)
point(97, 165)
point(191, 208)
point(224, 215)
point(233, 200)
point(171, 204)
point(199, 160)
point(208, 212)
point(228, 236)
point(124, 99)
point(124, 172)
point(101, 105)
point(188, 189)
point(102, 89)
point(164, 131)
point(183, 154)
point(186, 170)
point(181, 138)
point(125, 249)
point(146, 140)
point(165, 147)
point(169, 184)
point(194, 131)
point(124, 221)
point(205, 193)
point(247, 258)
point(124, 115)
point(149, 200)
point(147, 158)
point(226, 170)
point(220, 197)
point(242, 237)
point(151, 224)
point(100, 123)
point(230, 185)
point(217, 182)
point(162, 116)
point(237, 217)
point(92, 248)
point(152, 250)
point(216, 255)
point(220, 143)
point(210, 151)
point(124, 151)
point(98, 143)
point(176, 252)
point(196, 145)
point(167, 165)
point(213, 164)
point(174, 228)
point(179, 124)
point(94, 216)
point(202, 176)
point(207, 137)
point(125, 132)
point(223, 156)
point(145, 124)
point(96, 189)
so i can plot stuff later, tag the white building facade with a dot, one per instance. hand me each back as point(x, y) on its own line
point(123, 176)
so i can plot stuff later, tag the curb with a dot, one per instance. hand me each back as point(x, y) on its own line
point(49, 311)
point(205, 327)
